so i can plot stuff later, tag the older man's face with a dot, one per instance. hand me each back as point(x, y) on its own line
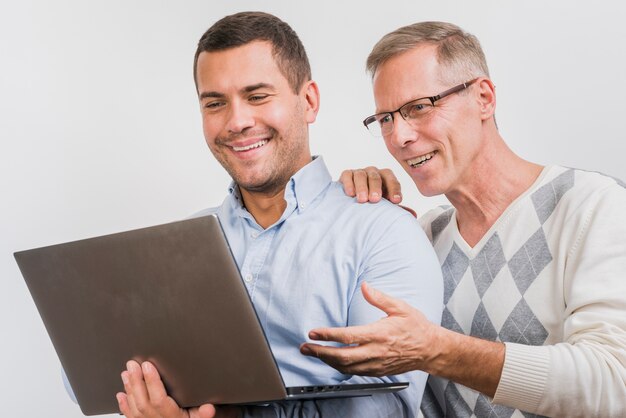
point(441, 151)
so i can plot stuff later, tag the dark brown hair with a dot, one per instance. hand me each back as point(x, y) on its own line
point(245, 27)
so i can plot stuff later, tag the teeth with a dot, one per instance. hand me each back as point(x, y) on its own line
point(416, 162)
point(251, 146)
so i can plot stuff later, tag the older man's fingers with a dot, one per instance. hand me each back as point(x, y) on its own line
point(357, 334)
point(374, 184)
point(334, 356)
point(382, 301)
point(361, 360)
point(391, 188)
point(346, 179)
point(361, 185)
point(410, 210)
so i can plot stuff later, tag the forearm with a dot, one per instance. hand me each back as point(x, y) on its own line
point(470, 361)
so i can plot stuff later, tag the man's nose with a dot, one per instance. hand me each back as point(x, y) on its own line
point(403, 133)
point(240, 117)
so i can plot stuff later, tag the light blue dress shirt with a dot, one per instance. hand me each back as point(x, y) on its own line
point(305, 272)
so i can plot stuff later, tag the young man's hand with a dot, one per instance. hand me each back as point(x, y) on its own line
point(145, 397)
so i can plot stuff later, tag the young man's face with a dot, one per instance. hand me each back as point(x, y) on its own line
point(255, 125)
point(439, 151)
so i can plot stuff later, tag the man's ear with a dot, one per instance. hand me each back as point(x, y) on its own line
point(487, 98)
point(311, 96)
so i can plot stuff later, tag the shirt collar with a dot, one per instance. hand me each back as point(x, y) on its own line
point(311, 180)
point(302, 188)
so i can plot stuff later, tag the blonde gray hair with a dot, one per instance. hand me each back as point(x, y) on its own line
point(458, 52)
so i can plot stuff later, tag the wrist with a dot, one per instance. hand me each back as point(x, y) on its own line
point(443, 350)
point(470, 361)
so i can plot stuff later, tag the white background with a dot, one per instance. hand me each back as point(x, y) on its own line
point(100, 128)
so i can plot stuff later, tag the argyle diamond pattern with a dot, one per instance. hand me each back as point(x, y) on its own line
point(523, 327)
point(487, 265)
point(453, 269)
point(474, 278)
point(528, 262)
point(441, 222)
point(546, 197)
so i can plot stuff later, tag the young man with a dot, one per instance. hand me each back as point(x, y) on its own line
point(533, 257)
point(303, 247)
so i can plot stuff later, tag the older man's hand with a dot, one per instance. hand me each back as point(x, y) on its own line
point(370, 184)
point(401, 342)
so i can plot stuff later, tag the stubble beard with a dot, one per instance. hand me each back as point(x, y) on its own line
point(278, 168)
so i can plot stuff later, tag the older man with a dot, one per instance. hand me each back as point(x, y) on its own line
point(533, 258)
point(302, 246)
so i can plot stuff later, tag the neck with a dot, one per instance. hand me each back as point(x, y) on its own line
point(266, 208)
point(489, 187)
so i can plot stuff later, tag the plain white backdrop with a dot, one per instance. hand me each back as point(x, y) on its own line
point(100, 127)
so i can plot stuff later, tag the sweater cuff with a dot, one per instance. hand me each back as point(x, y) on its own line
point(524, 376)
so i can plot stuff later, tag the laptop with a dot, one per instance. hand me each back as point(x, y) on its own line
point(170, 294)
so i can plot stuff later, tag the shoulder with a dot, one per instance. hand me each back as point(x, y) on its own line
point(436, 220)
point(562, 179)
point(574, 190)
point(383, 212)
point(205, 212)
point(374, 224)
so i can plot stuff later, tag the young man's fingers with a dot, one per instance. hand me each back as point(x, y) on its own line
point(122, 402)
point(206, 411)
point(156, 390)
point(135, 386)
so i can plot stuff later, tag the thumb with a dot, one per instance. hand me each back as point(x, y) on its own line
point(382, 301)
point(206, 411)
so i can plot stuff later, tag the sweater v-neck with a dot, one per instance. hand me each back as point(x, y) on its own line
point(501, 221)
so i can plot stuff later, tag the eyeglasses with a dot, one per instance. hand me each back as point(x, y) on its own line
point(381, 124)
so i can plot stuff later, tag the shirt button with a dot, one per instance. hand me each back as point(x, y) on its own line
point(302, 205)
point(254, 235)
point(248, 278)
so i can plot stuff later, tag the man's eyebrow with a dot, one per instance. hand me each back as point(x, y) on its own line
point(211, 94)
point(247, 89)
point(257, 86)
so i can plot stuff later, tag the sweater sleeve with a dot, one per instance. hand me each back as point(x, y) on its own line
point(585, 375)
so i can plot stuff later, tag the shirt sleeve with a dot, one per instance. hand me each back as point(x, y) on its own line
point(400, 261)
point(585, 375)
point(68, 387)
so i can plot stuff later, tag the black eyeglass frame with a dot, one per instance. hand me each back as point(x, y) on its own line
point(371, 119)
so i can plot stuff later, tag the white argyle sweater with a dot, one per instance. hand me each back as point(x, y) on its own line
point(549, 280)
